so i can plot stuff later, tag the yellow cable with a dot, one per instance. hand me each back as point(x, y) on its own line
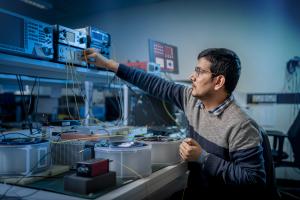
point(86, 138)
point(73, 71)
point(73, 85)
point(77, 80)
point(130, 169)
point(98, 122)
point(84, 98)
point(169, 114)
point(70, 116)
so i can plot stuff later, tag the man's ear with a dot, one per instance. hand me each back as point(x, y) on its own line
point(219, 82)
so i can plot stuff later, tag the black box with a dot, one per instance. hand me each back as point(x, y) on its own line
point(93, 167)
point(86, 185)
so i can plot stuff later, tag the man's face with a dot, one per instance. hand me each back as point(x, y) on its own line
point(202, 81)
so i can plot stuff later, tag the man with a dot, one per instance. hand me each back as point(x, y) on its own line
point(224, 144)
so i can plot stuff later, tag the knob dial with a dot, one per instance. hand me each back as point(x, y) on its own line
point(64, 33)
point(82, 40)
point(47, 30)
point(47, 51)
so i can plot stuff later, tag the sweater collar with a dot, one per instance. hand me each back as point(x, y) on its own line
point(220, 108)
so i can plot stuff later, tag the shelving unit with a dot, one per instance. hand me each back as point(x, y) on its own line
point(51, 73)
point(54, 74)
point(11, 64)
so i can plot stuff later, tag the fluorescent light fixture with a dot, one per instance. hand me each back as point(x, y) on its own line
point(39, 4)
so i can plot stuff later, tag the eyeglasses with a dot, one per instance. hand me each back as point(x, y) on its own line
point(199, 71)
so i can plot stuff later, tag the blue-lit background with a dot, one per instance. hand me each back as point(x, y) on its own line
point(264, 33)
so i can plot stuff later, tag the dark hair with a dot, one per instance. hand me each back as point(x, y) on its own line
point(224, 62)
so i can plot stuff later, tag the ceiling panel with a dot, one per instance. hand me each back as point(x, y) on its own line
point(74, 9)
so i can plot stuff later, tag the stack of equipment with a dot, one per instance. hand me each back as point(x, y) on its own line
point(69, 45)
point(92, 176)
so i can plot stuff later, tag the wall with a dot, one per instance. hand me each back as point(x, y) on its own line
point(259, 33)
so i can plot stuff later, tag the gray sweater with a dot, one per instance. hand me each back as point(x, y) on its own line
point(231, 139)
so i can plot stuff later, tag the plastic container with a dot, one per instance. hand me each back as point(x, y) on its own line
point(24, 158)
point(164, 151)
point(127, 159)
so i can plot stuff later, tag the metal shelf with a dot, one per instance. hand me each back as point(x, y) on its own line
point(11, 79)
point(11, 64)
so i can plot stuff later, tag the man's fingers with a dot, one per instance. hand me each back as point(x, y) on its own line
point(187, 140)
point(185, 147)
point(93, 55)
point(186, 150)
point(90, 50)
point(182, 155)
point(193, 142)
point(182, 150)
point(86, 55)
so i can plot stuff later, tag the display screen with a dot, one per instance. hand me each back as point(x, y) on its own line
point(12, 30)
point(151, 112)
point(97, 36)
point(70, 37)
point(165, 55)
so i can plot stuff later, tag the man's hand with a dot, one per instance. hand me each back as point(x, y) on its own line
point(190, 150)
point(93, 56)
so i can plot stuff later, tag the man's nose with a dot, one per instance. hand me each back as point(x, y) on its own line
point(192, 77)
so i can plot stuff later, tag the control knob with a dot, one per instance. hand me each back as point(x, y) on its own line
point(47, 51)
point(82, 40)
point(47, 30)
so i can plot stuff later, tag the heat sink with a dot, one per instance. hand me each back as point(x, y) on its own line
point(70, 152)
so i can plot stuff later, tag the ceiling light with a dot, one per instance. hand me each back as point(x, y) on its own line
point(39, 4)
